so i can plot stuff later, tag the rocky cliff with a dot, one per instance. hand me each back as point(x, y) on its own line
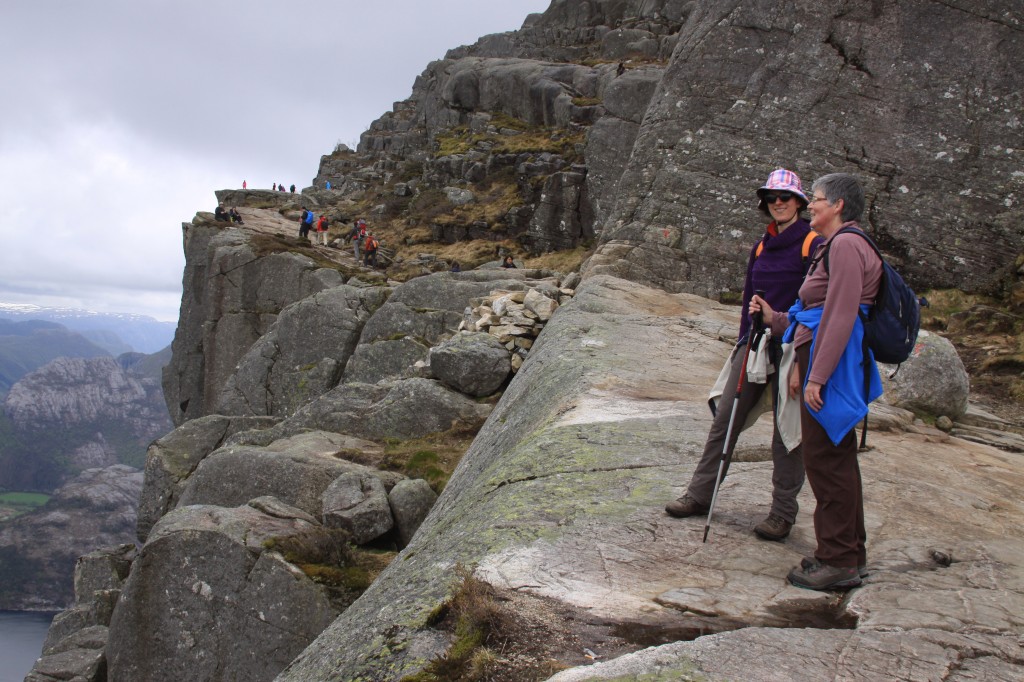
point(312, 394)
point(675, 110)
point(872, 89)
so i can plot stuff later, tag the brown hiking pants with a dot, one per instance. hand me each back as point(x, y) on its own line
point(788, 469)
point(834, 475)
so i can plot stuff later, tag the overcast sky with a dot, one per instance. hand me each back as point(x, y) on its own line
point(121, 118)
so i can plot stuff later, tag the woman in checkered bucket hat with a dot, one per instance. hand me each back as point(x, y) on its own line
point(781, 180)
point(776, 265)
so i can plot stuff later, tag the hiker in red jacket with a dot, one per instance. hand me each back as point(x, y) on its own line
point(370, 251)
point(321, 231)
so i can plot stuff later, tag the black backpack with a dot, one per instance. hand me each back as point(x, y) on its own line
point(891, 327)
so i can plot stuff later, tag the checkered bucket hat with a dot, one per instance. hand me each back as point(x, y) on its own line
point(782, 180)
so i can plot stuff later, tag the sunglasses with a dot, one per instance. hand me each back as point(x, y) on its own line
point(772, 197)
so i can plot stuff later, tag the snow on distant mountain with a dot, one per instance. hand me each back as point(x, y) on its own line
point(117, 332)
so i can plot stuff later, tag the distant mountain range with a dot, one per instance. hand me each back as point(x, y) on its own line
point(27, 346)
point(115, 332)
point(74, 414)
point(68, 402)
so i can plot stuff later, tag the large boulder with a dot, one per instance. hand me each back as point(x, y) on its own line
point(388, 359)
point(172, 459)
point(933, 381)
point(358, 503)
point(409, 408)
point(476, 364)
point(76, 663)
point(410, 500)
point(207, 600)
point(297, 470)
point(303, 354)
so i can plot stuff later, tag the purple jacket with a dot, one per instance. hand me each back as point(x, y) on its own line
point(779, 270)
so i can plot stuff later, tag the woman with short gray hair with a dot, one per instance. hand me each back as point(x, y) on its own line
point(826, 330)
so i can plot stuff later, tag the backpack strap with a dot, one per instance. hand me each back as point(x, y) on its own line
point(852, 230)
point(805, 250)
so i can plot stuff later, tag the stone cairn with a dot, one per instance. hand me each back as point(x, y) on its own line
point(515, 318)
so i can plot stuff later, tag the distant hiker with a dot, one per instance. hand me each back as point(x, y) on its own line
point(321, 230)
point(306, 223)
point(508, 263)
point(274, 188)
point(370, 250)
point(293, 189)
point(235, 217)
point(280, 187)
point(456, 267)
point(244, 185)
point(220, 215)
point(328, 184)
point(776, 265)
point(357, 236)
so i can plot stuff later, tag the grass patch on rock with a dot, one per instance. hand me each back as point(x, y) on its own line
point(328, 558)
point(14, 504)
point(565, 261)
point(508, 636)
point(530, 139)
point(476, 621)
point(494, 199)
point(432, 457)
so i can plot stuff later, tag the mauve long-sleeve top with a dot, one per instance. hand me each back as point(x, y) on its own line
point(853, 277)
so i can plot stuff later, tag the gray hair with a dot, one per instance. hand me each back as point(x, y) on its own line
point(843, 186)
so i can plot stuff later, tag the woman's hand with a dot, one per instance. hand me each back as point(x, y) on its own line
point(794, 382)
point(759, 305)
point(812, 396)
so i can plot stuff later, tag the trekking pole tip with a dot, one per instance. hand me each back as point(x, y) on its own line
point(706, 529)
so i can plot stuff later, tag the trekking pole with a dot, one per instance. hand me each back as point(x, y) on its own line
point(756, 326)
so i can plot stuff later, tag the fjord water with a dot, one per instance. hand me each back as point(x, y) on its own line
point(21, 641)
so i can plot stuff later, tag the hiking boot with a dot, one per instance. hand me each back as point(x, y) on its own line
point(773, 528)
point(819, 576)
point(808, 561)
point(686, 506)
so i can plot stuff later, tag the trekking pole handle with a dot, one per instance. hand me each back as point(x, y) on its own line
point(758, 318)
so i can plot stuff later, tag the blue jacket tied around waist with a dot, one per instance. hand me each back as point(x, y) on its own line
point(842, 396)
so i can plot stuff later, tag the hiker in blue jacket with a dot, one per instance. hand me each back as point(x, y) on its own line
point(776, 265)
point(306, 223)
